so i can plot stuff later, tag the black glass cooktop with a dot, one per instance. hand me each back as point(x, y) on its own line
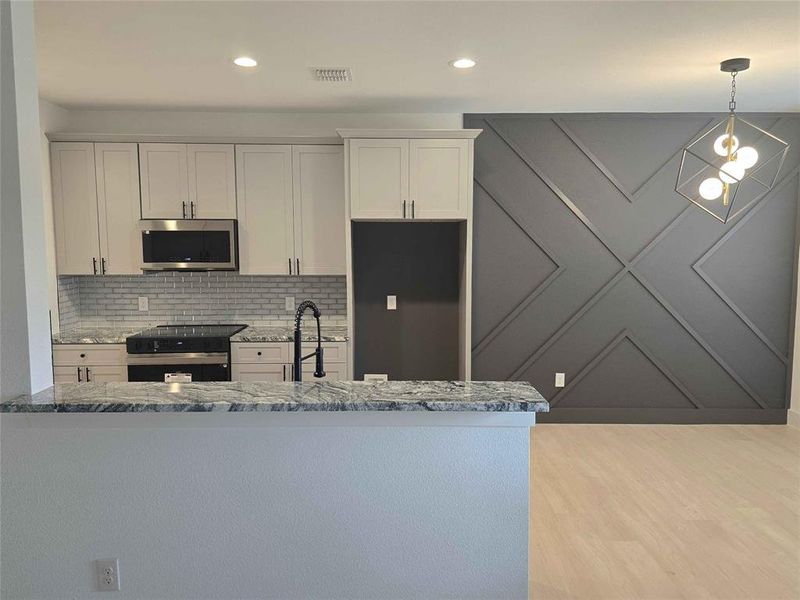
point(182, 338)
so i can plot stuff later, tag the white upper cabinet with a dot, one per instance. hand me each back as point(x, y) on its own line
point(75, 208)
point(96, 208)
point(117, 174)
point(319, 209)
point(194, 181)
point(439, 178)
point(264, 203)
point(379, 179)
point(212, 181)
point(163, 174)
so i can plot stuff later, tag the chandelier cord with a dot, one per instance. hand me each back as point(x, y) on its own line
point(732, 103)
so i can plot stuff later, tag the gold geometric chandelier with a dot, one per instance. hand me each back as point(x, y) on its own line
point(732, 164)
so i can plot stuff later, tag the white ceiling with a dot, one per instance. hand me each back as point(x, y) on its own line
point(532, 56)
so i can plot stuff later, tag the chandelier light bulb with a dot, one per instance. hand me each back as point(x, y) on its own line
point(721, 144)
point(746, 156)
point(711, 188)
point(731, 172)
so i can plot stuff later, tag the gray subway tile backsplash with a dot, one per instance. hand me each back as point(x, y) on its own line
point(175, 297)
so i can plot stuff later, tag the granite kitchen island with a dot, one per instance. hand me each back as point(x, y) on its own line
point(345, 489)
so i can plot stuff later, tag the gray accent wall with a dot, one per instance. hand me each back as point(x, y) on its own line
point(587, 262)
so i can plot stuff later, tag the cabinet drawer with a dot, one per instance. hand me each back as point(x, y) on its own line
point(91, 373)
point(262, 372)
point(256, 353)
point(333, 352)
point(65, 355)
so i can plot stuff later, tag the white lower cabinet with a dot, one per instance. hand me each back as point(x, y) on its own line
point(82, 363)
point(272, 361)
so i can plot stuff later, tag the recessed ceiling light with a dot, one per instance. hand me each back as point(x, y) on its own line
point(245, 61)
point(462, 63)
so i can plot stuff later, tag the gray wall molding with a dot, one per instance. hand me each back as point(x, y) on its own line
point(709, 306)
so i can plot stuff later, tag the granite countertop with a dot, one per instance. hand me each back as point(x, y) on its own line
point(261, 333)
point(449, 396)
point(256, 333)
point(95, 335)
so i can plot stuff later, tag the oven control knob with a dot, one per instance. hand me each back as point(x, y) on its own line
point(83, 355)
point(259, 353)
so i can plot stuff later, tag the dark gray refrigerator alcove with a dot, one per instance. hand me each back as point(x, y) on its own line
point(419, 263)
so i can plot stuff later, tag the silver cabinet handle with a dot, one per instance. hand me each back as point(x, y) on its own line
point(404, 209)
point(191, 209)
point(412, 209)
point(79, 375)
point(290, 266)
point(297, 261)
point(183, 210)
point(87, 374)
point(94, 265)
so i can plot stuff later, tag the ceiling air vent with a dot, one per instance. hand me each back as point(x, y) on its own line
point(332, 74)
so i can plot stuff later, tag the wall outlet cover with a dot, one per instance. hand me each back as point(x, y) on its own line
point(559, 380)
point(144, 304)
point(376, 377)
point(290, 305)
point(107, 571)
point(391, 302)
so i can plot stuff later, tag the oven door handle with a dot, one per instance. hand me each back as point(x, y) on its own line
point(179, 358)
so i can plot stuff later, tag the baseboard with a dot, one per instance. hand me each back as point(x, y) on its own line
point(793, 417)
point(769, 416)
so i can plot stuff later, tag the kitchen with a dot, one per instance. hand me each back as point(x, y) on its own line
point(398, 299)
point(218, 233)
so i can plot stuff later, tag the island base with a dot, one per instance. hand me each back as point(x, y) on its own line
point(265, 505)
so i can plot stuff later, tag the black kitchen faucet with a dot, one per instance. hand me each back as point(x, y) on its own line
point(298, 358)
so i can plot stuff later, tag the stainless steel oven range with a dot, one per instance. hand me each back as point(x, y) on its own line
point(181, 353)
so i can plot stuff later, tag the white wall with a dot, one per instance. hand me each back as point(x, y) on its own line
point(25, 339)
point(247, 124)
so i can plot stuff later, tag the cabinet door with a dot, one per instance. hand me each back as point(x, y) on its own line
point(378, 178)
point(333, 372)
point(319, 209)
point(439, 178)
point(264, 205)
point(212, 185)
point(265, 372)
point(74, 208)
point(164, 181)
point(105, 374)
point(117, 172)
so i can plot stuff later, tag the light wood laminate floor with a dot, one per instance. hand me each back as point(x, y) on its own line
point(665, 512)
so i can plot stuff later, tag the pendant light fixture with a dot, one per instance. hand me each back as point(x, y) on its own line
point(733, 163)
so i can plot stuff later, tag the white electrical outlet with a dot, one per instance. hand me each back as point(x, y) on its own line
point(290, 305)
point(143, 304)
point(376, 377)
point(391, 302)
point(559, 380)
point(107, 574)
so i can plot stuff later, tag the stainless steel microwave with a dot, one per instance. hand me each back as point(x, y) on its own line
point(189, 245)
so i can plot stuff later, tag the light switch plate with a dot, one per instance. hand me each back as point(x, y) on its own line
point(391, 302)
point(143, 304)
point(107, 574)
point(290, 306)
point(559, 380)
